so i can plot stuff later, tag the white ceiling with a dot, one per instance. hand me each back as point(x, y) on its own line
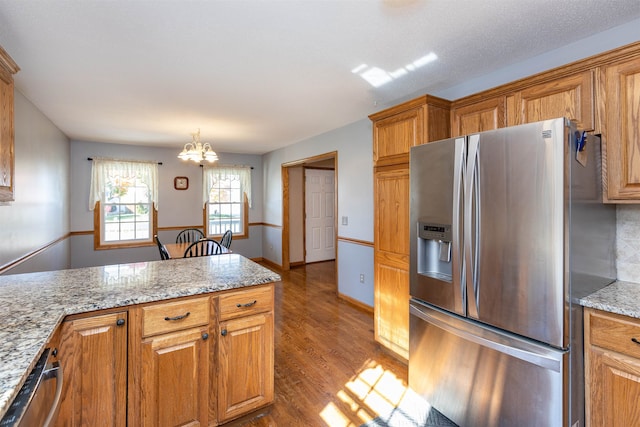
point(257, 75)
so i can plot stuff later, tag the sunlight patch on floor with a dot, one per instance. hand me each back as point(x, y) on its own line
point(375, 394)
point(333, 416)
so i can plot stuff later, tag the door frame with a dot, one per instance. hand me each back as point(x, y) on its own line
point(285, 200)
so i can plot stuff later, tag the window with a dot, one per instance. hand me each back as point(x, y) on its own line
point(227, 197)
point(125, 195)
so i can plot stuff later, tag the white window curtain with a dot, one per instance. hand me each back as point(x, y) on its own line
point(214, 173)
point(103, 168)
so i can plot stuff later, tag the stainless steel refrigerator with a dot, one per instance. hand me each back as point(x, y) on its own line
point(508, 231)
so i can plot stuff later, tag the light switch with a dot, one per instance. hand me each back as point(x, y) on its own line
point(345, 220)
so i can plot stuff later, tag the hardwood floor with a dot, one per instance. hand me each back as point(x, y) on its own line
point(328, 369)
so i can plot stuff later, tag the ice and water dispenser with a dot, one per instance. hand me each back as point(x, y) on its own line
point(434, 252)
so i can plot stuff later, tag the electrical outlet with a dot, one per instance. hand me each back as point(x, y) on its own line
point(362, 278)
point(345, 220)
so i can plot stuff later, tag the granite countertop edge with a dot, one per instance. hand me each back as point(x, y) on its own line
point(37, 303)
point(620, 297)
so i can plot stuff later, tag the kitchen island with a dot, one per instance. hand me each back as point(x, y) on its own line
point(35, 304)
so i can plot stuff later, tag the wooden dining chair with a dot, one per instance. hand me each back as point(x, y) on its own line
point(226, 239)
point(189, 235)
point(203, 247)
point(164, 254)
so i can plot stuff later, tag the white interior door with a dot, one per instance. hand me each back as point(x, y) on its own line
point(319, 218)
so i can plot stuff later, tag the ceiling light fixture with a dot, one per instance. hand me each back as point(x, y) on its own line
point(196, 151)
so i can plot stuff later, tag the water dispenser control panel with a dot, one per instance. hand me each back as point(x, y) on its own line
point(432, 231)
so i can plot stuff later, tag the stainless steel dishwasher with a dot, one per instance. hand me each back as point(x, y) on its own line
point(36, 404)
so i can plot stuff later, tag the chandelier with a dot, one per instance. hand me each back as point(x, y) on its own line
point(197, 151)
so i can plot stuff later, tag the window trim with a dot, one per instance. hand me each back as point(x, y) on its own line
point(97, 230)
point(245, 178)
point(245, 220)
point(97, 193)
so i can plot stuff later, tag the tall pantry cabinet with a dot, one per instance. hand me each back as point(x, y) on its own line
point(395, 131)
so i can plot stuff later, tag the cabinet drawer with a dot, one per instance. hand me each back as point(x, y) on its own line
point(613, 332)
point(174, 316)
point(245, 302)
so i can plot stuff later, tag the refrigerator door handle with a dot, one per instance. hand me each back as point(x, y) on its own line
point(458, 270)
point(536, 354)
point(471, 230)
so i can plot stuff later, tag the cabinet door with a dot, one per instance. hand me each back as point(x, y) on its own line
point(391, 256)
point(394, 136)
point(621, 139)
point(6, 135)
point(93, 356)
point(570, 96)
point(484, 115)
point(614, 389)
point(391, 307)
point(245, 365)
point(391, 216)
point(175, 379)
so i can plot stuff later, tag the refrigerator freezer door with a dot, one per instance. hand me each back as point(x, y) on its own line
point(436, 207)
point(517, 229)
point(478, 376)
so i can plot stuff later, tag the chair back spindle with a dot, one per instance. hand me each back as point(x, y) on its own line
point(203, 247)
point(189, 235)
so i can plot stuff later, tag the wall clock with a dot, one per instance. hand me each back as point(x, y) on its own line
point(180, 182)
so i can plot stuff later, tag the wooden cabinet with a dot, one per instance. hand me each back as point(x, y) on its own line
point(571, 96)
point(175, 379)
point(612, 364)
point(158, 364)
point(169, 363)
point(486, 114)
point(245, 352)
point(391, 258)
point(93, 356)
point(620, 88)
point(7, 159)
point(397, 129)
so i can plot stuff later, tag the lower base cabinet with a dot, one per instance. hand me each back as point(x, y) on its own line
point(612, 363)
point(169, 359)
point(175, 379)
point(195, 361)
point(245, 360)
point(93, 356)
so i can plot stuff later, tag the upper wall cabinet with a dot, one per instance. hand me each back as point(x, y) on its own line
point(570, 96)
point(620, 88)
point(7, 69)
point(397, 129)
point(487, 114)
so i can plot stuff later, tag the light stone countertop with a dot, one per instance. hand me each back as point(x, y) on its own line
point(618, 297)
point(34, 304)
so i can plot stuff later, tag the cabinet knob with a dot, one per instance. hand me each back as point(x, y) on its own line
point(119, 322)
point(224, 332)
point(635, 340)
point(205, 336)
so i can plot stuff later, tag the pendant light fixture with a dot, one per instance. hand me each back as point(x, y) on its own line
point(197, 151)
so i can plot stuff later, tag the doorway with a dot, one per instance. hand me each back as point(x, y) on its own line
point(319, 215)
point(306, 239)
